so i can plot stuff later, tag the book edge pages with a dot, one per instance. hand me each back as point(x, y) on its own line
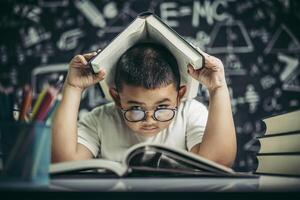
point(78, 165)
point(178, 151)
point(268, 160)
point(283, 118)
point(279, 144)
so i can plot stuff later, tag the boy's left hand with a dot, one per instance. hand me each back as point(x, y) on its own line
point(211, 74)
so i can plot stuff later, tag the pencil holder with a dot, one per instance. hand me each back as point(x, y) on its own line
point(26, 154)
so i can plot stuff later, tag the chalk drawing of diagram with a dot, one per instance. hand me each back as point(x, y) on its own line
point(290, 76)
point(230, 37)
point(293, 84)
point(283, 41)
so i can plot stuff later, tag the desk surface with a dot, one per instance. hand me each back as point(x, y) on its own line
point(95, 183)
point(203, 184)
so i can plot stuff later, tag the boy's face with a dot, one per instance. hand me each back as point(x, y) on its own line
point(133, 97)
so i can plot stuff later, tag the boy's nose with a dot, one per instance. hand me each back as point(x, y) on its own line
point(149, 116)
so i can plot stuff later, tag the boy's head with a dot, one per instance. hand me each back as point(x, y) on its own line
point(147, 78)
point(147, 65)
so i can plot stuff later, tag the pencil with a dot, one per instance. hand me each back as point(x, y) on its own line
point(48, 118)
point(26, 103)
point(38, 102)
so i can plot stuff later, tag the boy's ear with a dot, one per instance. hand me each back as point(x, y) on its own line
point(181, 92)
point(115, 95)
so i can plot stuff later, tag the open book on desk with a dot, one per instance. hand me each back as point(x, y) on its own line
point(148, 27)
point(148, 159)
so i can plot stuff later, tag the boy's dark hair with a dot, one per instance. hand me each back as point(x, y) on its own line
point(148, 65)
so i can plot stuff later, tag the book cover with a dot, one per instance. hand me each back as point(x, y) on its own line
point(149, 27)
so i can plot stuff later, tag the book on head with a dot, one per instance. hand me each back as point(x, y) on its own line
point(149, 27)
point(146, 158)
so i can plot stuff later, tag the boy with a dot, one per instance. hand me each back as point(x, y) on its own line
point(147, 108)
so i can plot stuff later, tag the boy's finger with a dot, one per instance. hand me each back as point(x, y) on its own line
point(81, 66)
point(209, 61)
point(192, 71)
point(213, 63)
point(80, 59)
point(99, 76)
point(88, 56)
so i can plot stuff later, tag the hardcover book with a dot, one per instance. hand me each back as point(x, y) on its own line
point(148, 27)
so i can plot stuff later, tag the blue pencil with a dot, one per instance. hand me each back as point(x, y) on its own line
point(52, 110)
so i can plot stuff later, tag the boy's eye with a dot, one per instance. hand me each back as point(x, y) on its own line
point(135, 108)
point(163, 106)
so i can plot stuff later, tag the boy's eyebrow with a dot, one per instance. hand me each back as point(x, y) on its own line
point(134, 102)
point(140, 103)
point(163, 100)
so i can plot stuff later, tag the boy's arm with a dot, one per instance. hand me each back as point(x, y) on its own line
point(64, 129)
point(219, 139)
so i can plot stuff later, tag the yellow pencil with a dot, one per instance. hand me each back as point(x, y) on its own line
point(38, 102)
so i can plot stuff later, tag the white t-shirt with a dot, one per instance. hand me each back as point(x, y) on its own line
point(104, 132)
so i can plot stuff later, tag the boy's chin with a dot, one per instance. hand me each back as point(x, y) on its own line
point(148, 133)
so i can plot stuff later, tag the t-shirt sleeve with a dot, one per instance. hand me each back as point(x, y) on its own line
point(196, 121)
point(88, 133)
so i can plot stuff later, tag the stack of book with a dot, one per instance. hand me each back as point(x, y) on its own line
point(280, 146)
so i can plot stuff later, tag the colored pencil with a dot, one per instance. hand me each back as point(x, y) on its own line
point(38, 101)
point(26, 103)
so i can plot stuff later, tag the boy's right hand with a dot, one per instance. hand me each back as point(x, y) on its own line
point(80, 75)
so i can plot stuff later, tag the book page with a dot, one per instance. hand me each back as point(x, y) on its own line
point(81, 165)
point(162, 156)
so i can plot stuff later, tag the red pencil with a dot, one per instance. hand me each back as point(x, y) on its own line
point(26, 102)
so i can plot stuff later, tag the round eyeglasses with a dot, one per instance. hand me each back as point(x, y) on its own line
point(159, 114)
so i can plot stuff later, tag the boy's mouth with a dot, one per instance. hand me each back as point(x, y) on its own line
point(149, 128)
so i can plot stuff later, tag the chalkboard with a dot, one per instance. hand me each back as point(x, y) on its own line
point(258, 42)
